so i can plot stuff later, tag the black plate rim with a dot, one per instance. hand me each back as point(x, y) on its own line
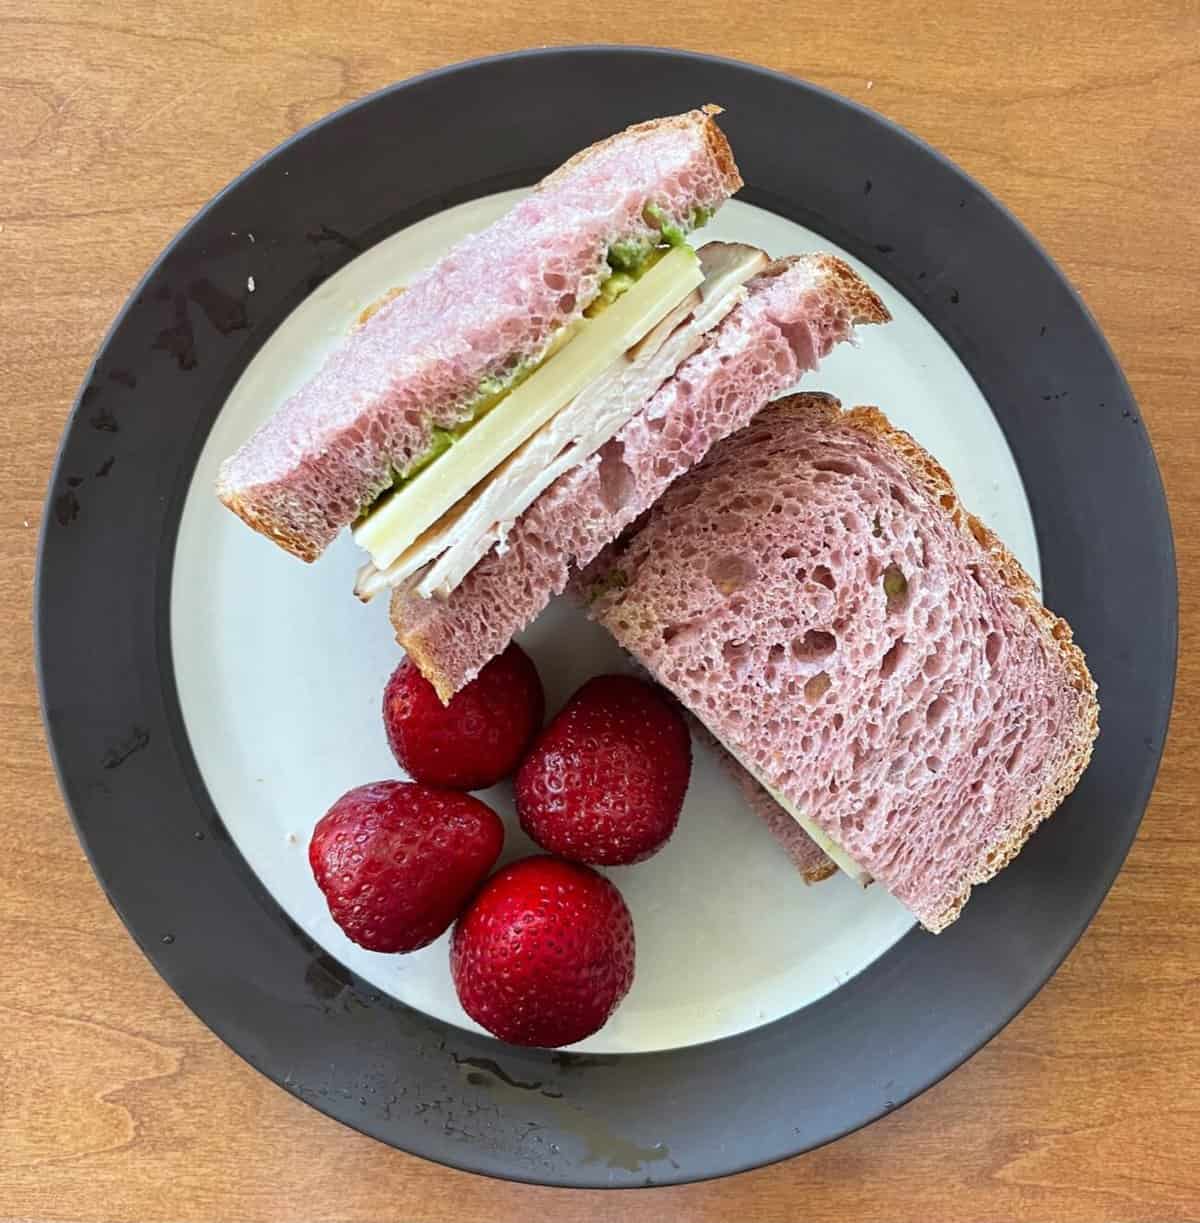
point(45, 540)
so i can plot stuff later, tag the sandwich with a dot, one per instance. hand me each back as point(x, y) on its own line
point(429, 365)
point(487, 430)
point(866, 649)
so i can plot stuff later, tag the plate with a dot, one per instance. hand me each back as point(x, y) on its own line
point(206, 697)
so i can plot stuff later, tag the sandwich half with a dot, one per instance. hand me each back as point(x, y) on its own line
point(432, 364)
point(487, 429)
point(864, 647)
point(603, 462)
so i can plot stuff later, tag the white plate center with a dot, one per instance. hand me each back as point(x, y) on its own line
point(281, 672)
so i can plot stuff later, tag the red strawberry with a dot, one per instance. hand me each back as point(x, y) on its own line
point(398, 861)
point(605, 781)
point(476, 740)
point(544, 953)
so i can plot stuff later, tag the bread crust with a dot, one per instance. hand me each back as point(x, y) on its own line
point(413, 644)
point(274, 528)
point(1055, 631)
point(865, 304)
point(714, 138)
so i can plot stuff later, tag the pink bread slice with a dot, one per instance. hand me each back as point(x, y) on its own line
point(490, 305)
point(795, 312)
point(818, 595)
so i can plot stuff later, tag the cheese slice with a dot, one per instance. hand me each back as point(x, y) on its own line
point(843, 860)
point(400, 518)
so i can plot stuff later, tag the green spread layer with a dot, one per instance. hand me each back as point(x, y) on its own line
point(627, 261)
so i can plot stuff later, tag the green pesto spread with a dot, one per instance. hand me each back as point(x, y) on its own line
point(629, 255)
point(439, 442)
point(670, 232)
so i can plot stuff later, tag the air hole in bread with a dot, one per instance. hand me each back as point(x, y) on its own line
point(933, 764)
point(736, 655)
point(1014, 760)
point(823, 576)
point(992, 649)
point(843, 467)
point(852, 822)
point(816, 686)
point(554, 281)
point(895, 588)
point(617, 482)
point(893, 658)
point(937, 662)
point(814, 646)
point(671, 632)
point(730, 571)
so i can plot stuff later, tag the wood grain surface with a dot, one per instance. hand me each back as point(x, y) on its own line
point(117, 121)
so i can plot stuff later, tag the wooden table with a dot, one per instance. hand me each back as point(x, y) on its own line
point(117, 121)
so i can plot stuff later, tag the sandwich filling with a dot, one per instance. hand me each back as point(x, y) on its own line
point(814, 831)
point(431, 532)
point(626, 261)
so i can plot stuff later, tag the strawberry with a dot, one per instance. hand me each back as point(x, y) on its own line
point(398, 861)
point(479, 737)
point(544, 953)
point(605, 781)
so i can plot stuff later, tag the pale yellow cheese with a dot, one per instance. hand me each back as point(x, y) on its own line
point(400, 518)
